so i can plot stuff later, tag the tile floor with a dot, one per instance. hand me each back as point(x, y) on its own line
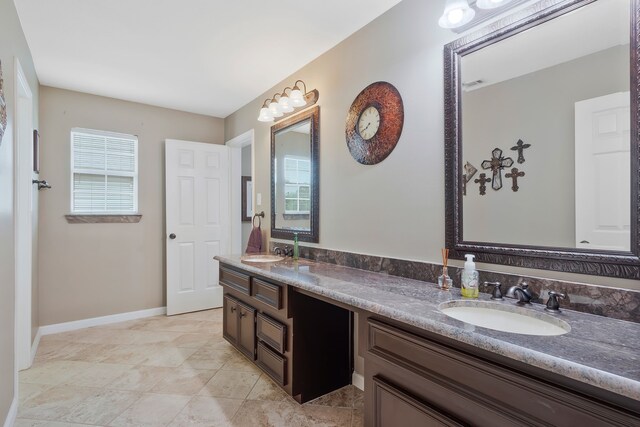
point(163, 371)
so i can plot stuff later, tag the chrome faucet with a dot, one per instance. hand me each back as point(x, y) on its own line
point(521, 293)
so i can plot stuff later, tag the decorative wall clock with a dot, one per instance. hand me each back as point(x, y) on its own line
point(3, 107)
point(374, 123)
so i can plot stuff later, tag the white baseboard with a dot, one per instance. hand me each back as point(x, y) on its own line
point(35, 344)
point(357, 380)
point(13, 411)
point(98, 321)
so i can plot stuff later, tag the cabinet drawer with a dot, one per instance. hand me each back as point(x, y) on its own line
point(272, 363)
point(394, 407)
point(267, 293)
point(238, 281)
point(271, 332)
point(450, 377)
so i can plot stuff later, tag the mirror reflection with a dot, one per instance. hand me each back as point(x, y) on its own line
point(294, 177)
point(292, 163)
point(545, 130)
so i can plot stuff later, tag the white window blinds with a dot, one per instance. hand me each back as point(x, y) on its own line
point(104, 168)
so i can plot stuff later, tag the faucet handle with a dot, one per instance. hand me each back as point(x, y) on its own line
point(552, 304)
point(496, 293)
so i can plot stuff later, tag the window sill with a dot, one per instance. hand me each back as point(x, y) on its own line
point(291, 216)
point(103, 219)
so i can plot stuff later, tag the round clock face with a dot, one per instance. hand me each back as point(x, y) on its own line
point(369, 123)
point(374, 123)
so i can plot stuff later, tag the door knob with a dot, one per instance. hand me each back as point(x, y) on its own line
point(172, 236)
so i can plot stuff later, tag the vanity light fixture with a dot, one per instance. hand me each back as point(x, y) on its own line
point(282, 105)
point(491, 4)
point(456, 14)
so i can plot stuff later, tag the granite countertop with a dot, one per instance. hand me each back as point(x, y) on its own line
point(599, 351)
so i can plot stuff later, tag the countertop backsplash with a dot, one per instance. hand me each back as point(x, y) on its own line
point(623, 304)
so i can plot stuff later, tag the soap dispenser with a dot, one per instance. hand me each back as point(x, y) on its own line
point(469, 287)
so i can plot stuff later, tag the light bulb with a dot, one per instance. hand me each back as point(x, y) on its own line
point(297, 98)
point(265, 115)
point(275, 109)
point(456, 14)
point(284, 104)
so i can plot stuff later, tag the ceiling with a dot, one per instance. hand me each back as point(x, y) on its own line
point(203, 56)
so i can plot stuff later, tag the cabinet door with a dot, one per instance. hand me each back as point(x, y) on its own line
point(394, 407)
point(230, 319)
point(247, 330)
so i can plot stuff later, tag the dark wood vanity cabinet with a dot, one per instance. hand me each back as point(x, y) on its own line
point(240, 326)
point(261, 319)
point(414, 378)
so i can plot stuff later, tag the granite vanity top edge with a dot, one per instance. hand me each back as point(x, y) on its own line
point(602, 379)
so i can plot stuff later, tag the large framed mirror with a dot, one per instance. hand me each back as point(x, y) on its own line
point(541, 139)
point(294, 177)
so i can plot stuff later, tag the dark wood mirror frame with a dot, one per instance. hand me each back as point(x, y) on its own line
point(572, 260)
point(313, 234)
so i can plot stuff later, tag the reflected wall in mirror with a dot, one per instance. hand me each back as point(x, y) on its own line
point(554, 77)
point(294, 177)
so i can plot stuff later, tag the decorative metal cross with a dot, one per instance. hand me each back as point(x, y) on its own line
point(520, 147)
point(469, 171)
point(482, 180)
point(496, 164)
point(514, 178)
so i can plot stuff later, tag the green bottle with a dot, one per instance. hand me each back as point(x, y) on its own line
point(295, 246)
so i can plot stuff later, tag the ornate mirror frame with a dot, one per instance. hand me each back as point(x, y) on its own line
point(584, 261)
point(313, 234)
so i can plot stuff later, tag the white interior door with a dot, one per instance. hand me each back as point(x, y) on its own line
point(603, 195)
point(198, 223)
point(25, 195)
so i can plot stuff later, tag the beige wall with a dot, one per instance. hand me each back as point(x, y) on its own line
point(90, 270)
point(395, 208)
point(12, 44)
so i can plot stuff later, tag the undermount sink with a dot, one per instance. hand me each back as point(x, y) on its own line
point(505, 318)
point(262, 258)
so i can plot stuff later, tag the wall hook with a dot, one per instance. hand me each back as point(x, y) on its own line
point(42, 184)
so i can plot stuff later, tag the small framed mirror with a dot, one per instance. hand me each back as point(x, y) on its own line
point(541, 139)
point(294, 177)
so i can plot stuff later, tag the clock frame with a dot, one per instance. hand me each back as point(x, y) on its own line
point(387, 100)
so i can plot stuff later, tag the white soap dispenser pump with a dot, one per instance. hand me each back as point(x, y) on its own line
point(469, 287)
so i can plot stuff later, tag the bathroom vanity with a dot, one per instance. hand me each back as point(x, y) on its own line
point(261, 317)
point(292, 318)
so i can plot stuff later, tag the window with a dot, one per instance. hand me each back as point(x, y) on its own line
point(297, 185)
point(104, 172)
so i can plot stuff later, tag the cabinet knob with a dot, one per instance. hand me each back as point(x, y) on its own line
point(243, 314)
point(233, 309)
